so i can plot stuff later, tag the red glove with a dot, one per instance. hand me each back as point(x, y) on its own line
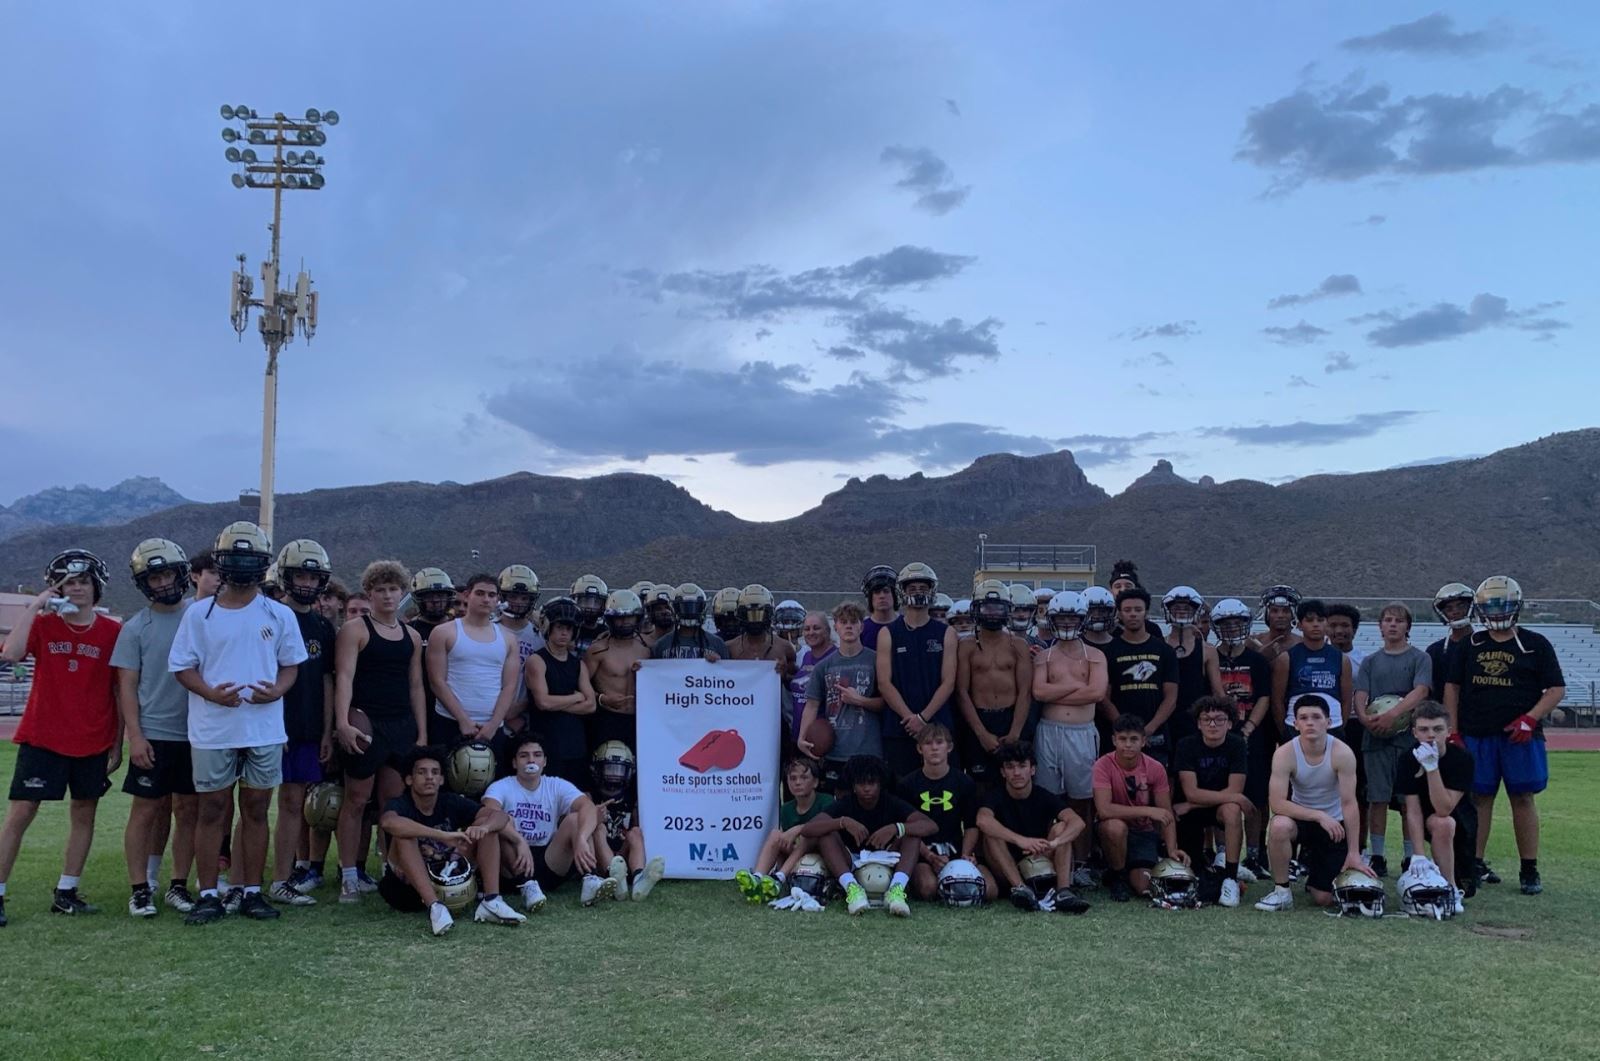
point(1522, 729)
point(1458, 740)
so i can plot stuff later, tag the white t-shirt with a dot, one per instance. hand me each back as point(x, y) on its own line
point(536, 813)
point(240, 645)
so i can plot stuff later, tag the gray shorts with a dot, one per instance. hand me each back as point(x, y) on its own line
point(1066, 753)
point(217, 768)
point(1384, 758)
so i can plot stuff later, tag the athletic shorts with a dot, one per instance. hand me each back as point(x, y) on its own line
point(606, 725)
point(1065, 753)
point(1384, 757)
point(982, 765)
point(900, 752)
point(302, 764)
point(1144, 848)
point(217, 768)
point(1321, 856)
point(1259, 746)
point(548, 879)
point(400, 895)
point(443, 731)
point(171, 774)
point(44, 776)
point(1192, 833)
point(1522, 767)
point(573, 769)
point(392, 740)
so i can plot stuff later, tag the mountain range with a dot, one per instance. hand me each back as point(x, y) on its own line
point(1530, 511)
point(87, 506)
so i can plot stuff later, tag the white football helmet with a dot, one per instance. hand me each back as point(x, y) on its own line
point(1424, 892)
point(1067, 613)
point(1182, 604)
point(961, 884)
point(1231, 619)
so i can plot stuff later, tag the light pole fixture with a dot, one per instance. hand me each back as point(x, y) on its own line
point(279, 153)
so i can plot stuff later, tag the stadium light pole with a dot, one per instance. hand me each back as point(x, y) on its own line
point(293, 165)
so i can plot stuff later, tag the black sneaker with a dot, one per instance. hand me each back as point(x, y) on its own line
point(207, 908)
point(69, 902)
point(179, 899)
point(1380, 866)
point(2, 911)
point(1067, 902)
point(254, 905)
point(231, 900)
point(1487, 875)
point(1531, 884)
point(1120, 891)
point(142, 903)
point(1022, 898)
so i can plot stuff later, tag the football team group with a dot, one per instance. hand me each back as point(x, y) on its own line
point(1021, 742)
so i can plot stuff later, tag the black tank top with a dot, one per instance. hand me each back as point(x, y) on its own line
point(563, 730)
point(381, 685)
point(915, 667)
point(1191, 687)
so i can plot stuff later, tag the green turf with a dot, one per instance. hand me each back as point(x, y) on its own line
point(695, 973)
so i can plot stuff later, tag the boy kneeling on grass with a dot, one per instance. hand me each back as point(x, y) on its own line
point(785, 846)
point(1133, 811)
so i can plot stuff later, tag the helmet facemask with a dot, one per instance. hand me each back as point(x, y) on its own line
point(1068, 626)
point(918, 594)
point(519, 603)
point(992, 613)
point(434, 604)
point(173, 592)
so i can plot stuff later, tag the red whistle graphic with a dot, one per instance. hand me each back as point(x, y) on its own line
point(721, 749)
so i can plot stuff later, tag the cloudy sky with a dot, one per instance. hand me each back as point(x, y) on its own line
point(757, 248)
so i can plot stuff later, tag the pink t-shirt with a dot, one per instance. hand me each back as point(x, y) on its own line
point(1132, 788)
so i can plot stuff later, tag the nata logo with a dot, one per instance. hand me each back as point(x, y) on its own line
point(266, 633)
point(1495, 668)
point(1142, 671)
point(727, 854)
point(314, 649)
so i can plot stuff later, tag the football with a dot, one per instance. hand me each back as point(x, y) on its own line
point(820, 734)
point(360, 721)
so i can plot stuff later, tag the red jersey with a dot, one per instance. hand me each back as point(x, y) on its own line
point(72, 708)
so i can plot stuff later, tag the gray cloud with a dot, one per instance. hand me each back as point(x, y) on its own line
point(1300, 381)
point(1433, 34)
point(1374, 220)
point(1170, 330)
point(1339, 361)
point(1299, 335)
point(928, 176)
point(848, 422)
point(1426, 462)
point(1307, 433)
point(1350, 133)
point(1332, 286)
point(1092, 451)
point(917, 349)
point(1154, 359)
point(1446, 320)
point(846, 353)
point(761, 292)
point(953, 107)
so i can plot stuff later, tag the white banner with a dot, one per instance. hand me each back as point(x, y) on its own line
point(708, 763)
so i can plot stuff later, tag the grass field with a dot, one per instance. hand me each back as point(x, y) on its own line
point(695, 973)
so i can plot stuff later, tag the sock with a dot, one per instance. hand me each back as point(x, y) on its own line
point(1529, 865)
point(137, 888)
point(488, 897)
point(347, 874)
point(252, 889)
point(1406, 849)
point(176, 883)
point(152, 867)
point(1230, 870)
point(208, 892)
point(316, 865)
point(1253, 855)
point(899, 879)
point(2, 889)
point(301, 863)
point(779, 876)
point(1282, 884)
point(846, 879)
point(1375, 843)
point(67, 883)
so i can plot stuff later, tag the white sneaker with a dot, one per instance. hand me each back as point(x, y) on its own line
point(349, 891)
point(1276, 900)
point(1245, 875)
point(654, 870)
point(1230, 893)
point(596, 887)
point(439, 919)
point(532, 897)
point(283, 895)
point(496, 912)
point(1461, 907)
point(619, 877)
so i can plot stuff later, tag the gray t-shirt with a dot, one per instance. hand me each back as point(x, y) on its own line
point(143, 646)
point(1383, 674)
point(529, 641)
point(856, 730)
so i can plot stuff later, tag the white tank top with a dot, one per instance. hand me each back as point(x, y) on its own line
point(473, 672)
point(1316, 787)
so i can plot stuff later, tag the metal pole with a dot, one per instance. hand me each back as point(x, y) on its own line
point(273, 315)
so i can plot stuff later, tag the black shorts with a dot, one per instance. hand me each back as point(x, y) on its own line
point(607, 725)
point(982, 765)
point(1321, 856)
point(548, 879)
point(571, 768)
point(1192, 833)
point(172, 773)
point(392, 740)
point(1144, 848)
point(44, 776)
point(1259, 746)
point(400, 895)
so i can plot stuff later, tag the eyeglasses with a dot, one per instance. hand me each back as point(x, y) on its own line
point(1213, 720)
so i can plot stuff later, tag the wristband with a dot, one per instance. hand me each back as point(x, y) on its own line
point(900, 827)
